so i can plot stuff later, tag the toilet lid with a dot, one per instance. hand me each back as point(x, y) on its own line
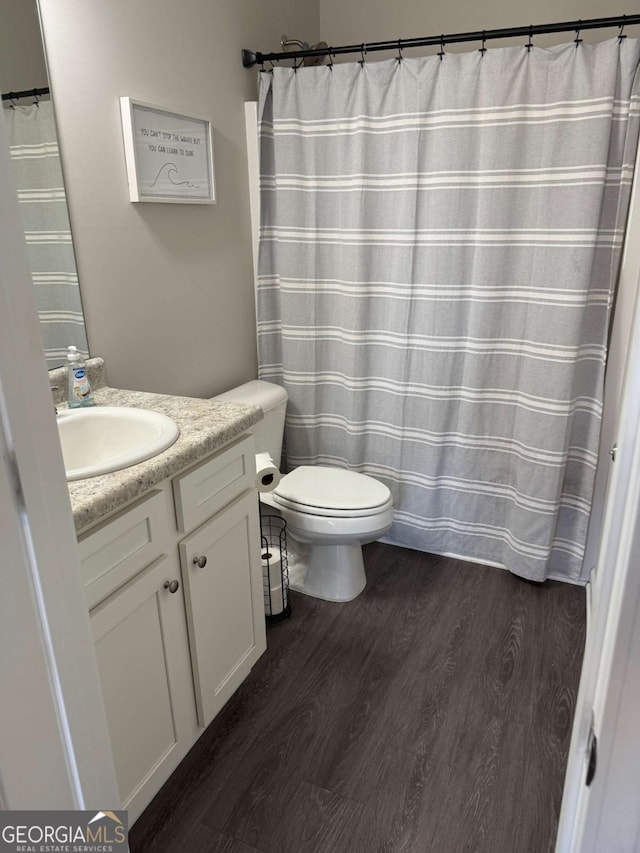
point(331, 491)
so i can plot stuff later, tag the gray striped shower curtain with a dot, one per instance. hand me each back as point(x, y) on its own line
point(439, 246)
point(43, 204)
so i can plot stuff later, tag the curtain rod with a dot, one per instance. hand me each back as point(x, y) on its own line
point(25, 93)
point(251, 58)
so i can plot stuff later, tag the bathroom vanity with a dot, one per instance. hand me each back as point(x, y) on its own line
point(170, 562)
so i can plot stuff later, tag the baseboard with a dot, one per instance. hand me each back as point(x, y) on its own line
point(589, 605)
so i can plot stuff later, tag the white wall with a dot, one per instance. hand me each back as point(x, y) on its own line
point(356, 21)
point(167, 289)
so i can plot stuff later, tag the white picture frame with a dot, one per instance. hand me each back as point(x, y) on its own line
point(169, 156)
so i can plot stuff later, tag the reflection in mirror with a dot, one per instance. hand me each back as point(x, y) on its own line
point(38, 174)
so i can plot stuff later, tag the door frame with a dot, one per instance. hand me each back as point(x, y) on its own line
point(54, 745)
point(607, 695)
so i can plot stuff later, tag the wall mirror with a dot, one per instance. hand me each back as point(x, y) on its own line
point(38, 174)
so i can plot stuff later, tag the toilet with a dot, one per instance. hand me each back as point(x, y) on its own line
point(330, 512)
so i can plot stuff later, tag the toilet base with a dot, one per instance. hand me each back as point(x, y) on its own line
point(329, 572)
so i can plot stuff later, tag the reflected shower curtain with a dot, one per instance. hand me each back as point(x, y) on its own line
point(440, 241)
point(43, 204)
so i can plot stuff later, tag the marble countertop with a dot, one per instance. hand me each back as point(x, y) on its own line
point(205, 426)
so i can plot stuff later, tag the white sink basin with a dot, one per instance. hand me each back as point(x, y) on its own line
point(102, 439)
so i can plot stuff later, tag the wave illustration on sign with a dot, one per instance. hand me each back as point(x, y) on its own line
point(171, 170)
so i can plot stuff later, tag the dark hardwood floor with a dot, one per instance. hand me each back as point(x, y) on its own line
point(433, 713)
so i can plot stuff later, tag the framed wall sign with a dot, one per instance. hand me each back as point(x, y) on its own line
point(169, 156)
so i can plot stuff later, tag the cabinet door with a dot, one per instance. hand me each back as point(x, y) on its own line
point(223, 596)
point(142, 652)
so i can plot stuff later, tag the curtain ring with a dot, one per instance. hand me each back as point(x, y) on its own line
point(622, 26)
point(400, 57)
point(529, 44)
point(362, 53)
point(441, 51)
point(36, 98)
point(577, 40)
point(483, 49)
point(331, 55)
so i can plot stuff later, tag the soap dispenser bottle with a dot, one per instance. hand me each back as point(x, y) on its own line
point(79, 388)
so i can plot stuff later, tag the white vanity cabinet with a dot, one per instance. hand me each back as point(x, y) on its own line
point(143, 661)
point(174, 587)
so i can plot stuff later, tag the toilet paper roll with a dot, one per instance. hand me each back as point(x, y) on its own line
point(267, 474)
point(272, 582)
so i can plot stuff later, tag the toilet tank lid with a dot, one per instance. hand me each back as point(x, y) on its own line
point(267, 395)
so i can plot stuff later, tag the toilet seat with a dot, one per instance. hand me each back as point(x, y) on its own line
point(331, 492)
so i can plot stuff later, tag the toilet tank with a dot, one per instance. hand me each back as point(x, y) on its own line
point(272, 399)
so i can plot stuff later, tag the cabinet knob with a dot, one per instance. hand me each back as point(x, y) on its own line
point(172, 586)
point(200, 562)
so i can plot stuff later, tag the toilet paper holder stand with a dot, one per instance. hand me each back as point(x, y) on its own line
point(275, 568)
